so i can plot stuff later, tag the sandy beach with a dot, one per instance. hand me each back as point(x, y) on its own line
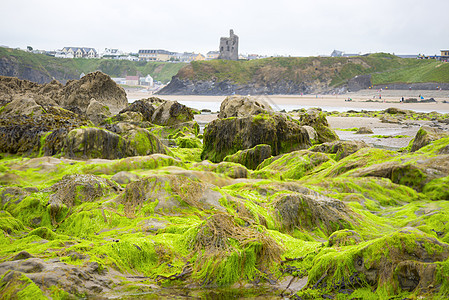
point(390, 98)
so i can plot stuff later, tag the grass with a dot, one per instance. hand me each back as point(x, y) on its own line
point(335, 71)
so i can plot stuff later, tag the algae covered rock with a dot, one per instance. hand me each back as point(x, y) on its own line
point(24, 133)
point(293, 165)
point(75, 189)
point(344, 237)
point(170, 113)
point(230, 169)
point(95, 85)
point(169, 194)
point(100, 143)
point(144, 106)
point(241, 106)
point(253, 251)
point(124, 177)
point(224, 137)
point(426, 135)
point(405, 260)
point(304, 211)
point(317, 120)
point(250, 158)
point(364, 130)
point(340, 148)
point(97, 112)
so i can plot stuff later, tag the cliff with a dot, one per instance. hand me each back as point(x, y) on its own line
point(295, 75)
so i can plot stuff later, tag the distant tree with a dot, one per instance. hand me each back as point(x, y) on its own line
point(29, 48)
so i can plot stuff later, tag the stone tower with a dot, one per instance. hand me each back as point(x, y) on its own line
point(229, 47)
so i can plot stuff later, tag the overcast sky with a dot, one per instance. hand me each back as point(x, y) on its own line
point(279, 27)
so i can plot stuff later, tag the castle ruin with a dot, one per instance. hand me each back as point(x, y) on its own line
point(229, 47)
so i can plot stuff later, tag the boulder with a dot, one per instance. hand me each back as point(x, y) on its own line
point(22, 106)
point(224, 137)
point(94, 85)
point(97, 112)
point(241, 106)
point(37, 275)
point(394, 111)
point(144, 106)
point(100, 143)
point(364, 130)
point(340, 148)
point(293, 165)
point(427, 135)
point(228, 169)
point(250, 158)
point(390, 119)
point(295, 210)
point(27, 133)
point(124, 177)
point(344, 237)
point(170, 113)
point(169, 194)
point(73, 190)
point(317, 120)
point(406, 260)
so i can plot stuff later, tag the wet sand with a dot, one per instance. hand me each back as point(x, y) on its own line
point(332, 102)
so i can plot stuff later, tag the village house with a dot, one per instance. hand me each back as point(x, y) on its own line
point(80, 52)
point(132, 80)
point(156, 55)
point(212, 55)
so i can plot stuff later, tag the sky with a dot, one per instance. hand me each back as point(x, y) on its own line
point(279, 27)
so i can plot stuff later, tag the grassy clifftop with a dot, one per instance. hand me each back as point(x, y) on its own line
point(334, 71)
point(20, 63)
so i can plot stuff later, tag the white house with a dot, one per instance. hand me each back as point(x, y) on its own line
point(80, 52)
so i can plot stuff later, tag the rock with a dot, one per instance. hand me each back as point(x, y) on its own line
point(344, 237)
point(73, 190)
point(229, 169)
point(172, 193)
point(12, 194)
point(170, 113)
point(414, 172)
point(293, 165)
point(128, 116)
point(407, 259)
point(144, 106)
point(313, 136)
point(224, 137)
point(94, 143)
point(87, 279)
point(296, 210)
point(24, 133)
point(177, 130)
point(21, 106)
point(390, 119)
point(394, 111)
point(241, 106)
point(364, 130)
point(189, 142)
point(340, 148)
point(94, 85)
point(317, 120)
point(99, 143)
point(250, 158)
point(124, 177)
point(359, 82)
point(97, 112)
point(427, 135)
